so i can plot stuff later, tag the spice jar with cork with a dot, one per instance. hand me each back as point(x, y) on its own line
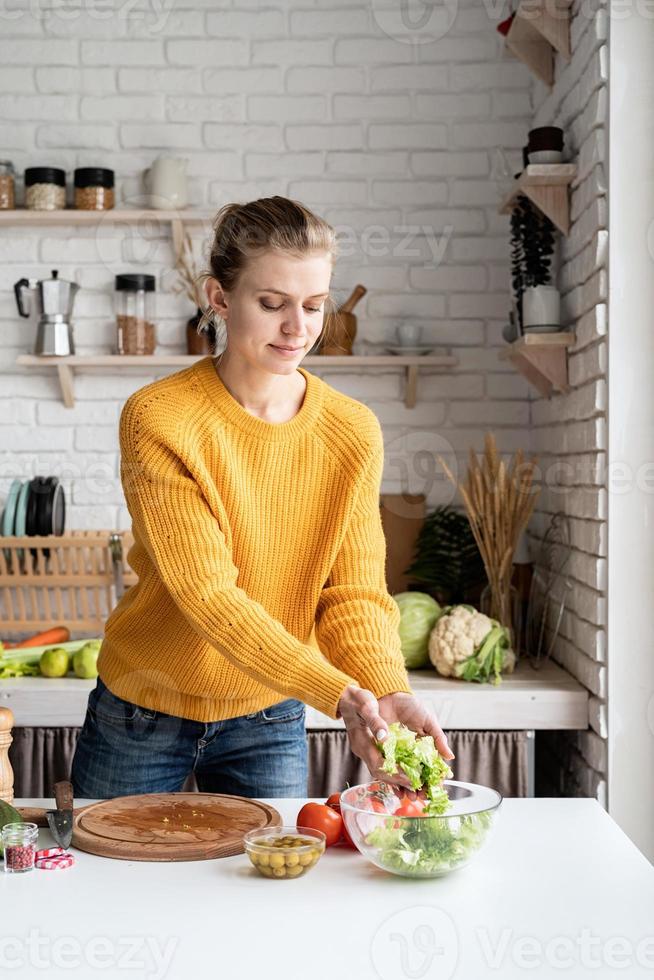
point(94, 189)
point(19, 843)
point(134, 313)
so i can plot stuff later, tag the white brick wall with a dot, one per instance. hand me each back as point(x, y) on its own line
point(569, 432)
point(388, 138)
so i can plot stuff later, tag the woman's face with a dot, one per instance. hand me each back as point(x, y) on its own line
point(277, 303)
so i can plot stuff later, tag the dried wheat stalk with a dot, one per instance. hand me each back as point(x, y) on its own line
point(499, 502)
point(188, 273)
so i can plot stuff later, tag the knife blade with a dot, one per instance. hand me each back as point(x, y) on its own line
point(60, 820)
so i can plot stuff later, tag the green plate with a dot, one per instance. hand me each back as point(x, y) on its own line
point(9, 515)
point(10, 508)
point(21, 515)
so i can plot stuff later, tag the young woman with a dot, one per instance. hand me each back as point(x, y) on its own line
point(253, 488)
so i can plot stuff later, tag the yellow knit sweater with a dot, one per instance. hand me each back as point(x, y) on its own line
point(252, 541)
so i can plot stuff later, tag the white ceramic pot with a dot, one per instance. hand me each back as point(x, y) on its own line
point(545, 156)
point(165, 183)
point(541, 309)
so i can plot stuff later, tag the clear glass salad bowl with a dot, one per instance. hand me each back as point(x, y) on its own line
point(418, 846)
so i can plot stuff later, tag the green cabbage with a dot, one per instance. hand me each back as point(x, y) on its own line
point(418, 614)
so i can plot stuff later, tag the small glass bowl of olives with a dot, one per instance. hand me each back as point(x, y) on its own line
point(284, 852)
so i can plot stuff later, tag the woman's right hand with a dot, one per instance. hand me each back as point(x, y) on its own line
point(359, 709)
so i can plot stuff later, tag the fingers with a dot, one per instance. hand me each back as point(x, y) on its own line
point(432, 727)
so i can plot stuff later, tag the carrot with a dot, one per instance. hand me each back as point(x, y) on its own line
point(58, 634)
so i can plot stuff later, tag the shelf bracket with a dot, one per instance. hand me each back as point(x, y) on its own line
point(545, 368)
point(177, 229)
point(66, 384)
point(411, 385)
point(552, 200)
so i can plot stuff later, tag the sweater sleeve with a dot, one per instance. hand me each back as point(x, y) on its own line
point(185, 542)
point(357, 621)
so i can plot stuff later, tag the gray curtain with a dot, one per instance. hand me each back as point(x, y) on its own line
point(42, 756)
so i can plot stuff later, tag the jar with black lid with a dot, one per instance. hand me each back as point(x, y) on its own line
point(134, 313)
point(94, 189)
point(7, 185)
point(45, 188)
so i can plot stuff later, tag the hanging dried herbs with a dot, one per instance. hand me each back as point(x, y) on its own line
point(447, 559)
point(532, 247)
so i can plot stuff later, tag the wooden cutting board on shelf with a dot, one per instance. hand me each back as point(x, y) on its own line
point(402, 515)
point(170, 826)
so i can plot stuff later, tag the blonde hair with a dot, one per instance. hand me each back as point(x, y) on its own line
point(242, 231)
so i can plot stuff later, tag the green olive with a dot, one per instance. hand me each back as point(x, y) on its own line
point(279, 872)
point(295, 871)
point(292, 860)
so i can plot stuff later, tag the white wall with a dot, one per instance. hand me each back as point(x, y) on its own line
point(569, 432)
point(314, 102)
point(631, 435)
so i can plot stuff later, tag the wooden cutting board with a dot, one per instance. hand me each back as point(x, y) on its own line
point(170, 826)
point(402, 515)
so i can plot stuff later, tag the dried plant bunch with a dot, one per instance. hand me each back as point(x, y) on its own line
point(188, 272)
point(499, 499)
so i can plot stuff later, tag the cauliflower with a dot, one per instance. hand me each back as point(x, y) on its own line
point(466, 643)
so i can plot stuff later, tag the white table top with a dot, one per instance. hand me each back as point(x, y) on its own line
point(558, 883)
point(548, 698)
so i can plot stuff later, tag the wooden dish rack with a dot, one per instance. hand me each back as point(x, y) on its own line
point(72, 580)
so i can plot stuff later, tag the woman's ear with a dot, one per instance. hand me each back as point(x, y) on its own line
point(216, 297)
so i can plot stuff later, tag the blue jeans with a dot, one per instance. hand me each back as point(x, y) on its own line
point(124, 749)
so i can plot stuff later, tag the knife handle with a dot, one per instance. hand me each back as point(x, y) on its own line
point(64, 794)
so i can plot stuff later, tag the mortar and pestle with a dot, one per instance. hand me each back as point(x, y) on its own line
point(340, 328)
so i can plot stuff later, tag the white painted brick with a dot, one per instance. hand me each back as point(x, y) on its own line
point(444, 387)
point(17, 438)
point(368, 164)
point(291, 52)
point(449, 277)
point(414, 77)
point(223, 136)
point(83, 413)
point(315, 23)
point(242, 23)
point(410, 136)
point(478, 249)
point(471, 192)
point(276, 165)
point(456, 221)
point(591, 674)
point(89, 518)
point(326, 191)
point(38, 107)
point(511, 104)
point(332, 137)
point(396, 413)
point(587, 364)
point(474, 135)
point(489, 77)
point(162, 135)
point(139, 53)
point(471, 305)
point(505, 386)
point(231, 81)
point(87, 136)
point(96, 81)
point(19, 80)
point(427, 305)
point(117, 107)
point(445, 106)
point(459, 49)
point(82, 23)
point(449, 164)
point(113, 386)
point(282, 108)
point(320, 80)
point(35, 52)
point(409, 192)
point(598, 716)
point(17, 412)
point(200, 107)
point(371, 107)
point(147, 80)
point(92, 437)
point(368, 51)
point(489, 413)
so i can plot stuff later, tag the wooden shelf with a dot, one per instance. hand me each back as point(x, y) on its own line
point(66, 367)
point(543, 360)
point(539, 29)
point(546, 186)
point(177, 220)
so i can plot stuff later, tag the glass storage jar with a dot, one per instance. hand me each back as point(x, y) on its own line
point(134, 313)
point(19, 843)
point(94, 189)
point(7, 185)
point(45, 188)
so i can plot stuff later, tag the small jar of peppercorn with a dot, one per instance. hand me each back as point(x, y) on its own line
point(19, 843)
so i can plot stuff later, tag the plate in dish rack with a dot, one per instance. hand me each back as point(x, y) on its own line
point(170, 826)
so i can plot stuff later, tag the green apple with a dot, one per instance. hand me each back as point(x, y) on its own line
point(86, 658)
point(54, 662)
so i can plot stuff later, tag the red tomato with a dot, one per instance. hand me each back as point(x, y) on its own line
point(317, 816)
point(334, 801)
point(409, 809)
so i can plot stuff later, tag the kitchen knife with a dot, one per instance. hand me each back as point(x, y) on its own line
point(60, 821)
